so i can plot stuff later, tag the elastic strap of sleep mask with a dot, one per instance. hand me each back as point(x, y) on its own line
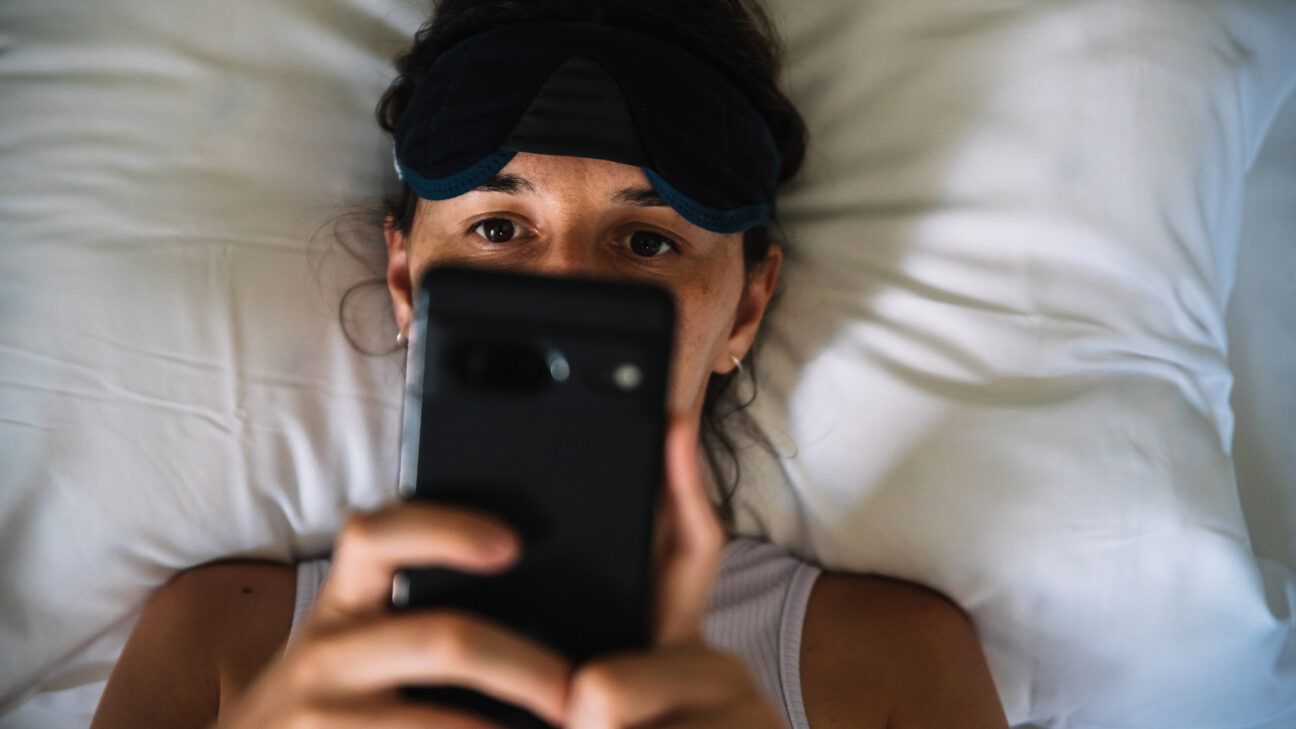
point(585, 90)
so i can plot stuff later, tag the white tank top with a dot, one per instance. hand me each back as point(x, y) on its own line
point(756, 612)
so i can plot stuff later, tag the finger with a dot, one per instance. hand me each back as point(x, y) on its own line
point(441, 647)
point(371, 547)
point(696, 539)
point(388, 712)
point(630, 689)
point(269, 706)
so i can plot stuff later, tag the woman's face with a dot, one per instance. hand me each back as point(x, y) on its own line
point(571, 215)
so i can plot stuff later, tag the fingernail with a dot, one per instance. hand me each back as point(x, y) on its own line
point(499, 543)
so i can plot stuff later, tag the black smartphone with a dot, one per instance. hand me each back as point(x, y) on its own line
point(542, 400)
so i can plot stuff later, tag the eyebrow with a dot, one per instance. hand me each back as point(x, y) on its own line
point(510, 184)
point(643, 197)
point(506, 183)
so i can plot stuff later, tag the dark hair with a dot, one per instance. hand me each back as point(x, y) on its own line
point(734, 36)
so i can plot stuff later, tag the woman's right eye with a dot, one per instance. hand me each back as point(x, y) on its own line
point(496, 230)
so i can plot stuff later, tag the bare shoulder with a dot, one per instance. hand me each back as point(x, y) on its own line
point(201, 637)
point(248, 606)
point(884, 652)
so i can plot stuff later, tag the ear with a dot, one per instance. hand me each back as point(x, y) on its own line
point(398, 276)
point(755, 298)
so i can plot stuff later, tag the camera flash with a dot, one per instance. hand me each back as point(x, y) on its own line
point(558, 367)
point(627, 376)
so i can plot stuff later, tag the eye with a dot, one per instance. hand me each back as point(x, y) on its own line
point(648, 244)
point(496, 230)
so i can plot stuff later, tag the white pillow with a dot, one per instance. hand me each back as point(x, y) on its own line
point(174, 386)
point(1262, 345)
point(1000, 365)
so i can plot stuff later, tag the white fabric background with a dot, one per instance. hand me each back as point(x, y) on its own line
point(1009, 342)
point(174, 385)
point(1000, 364)
point(1262, 346)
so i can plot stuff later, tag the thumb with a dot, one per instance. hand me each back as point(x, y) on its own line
point(692, 542)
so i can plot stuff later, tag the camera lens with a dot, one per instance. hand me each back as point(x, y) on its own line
point(500, 366)
point(559, 368)
point(627, 376)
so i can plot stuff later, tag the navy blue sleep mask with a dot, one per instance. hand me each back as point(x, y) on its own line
point(586, 90)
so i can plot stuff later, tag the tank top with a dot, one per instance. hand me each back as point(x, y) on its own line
point(757, 611)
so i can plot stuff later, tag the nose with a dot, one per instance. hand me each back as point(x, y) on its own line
point(573, 253)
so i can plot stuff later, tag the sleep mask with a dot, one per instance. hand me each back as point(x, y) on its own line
point(586, 90)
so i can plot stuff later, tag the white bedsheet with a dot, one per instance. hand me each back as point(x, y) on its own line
point(1262, 346)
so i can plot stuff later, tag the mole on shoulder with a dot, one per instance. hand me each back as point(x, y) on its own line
point(247, 591)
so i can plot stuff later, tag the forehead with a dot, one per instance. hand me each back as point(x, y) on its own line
point(564, 190)
point(571, 185)
point(552, 173)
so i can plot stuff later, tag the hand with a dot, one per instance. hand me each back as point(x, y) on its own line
point(344, 667)
point(681, 682)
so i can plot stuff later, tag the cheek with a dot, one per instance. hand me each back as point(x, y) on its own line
point(700, 336)
point(424, 251)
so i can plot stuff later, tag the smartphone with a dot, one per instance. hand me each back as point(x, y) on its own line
point(542, 400)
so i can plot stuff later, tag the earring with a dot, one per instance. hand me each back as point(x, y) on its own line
point(400, 338)
point(737, 363)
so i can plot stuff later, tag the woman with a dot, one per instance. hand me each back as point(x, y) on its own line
point(575, 197)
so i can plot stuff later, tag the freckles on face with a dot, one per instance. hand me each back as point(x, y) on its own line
point(705, 309)
point(575, 216)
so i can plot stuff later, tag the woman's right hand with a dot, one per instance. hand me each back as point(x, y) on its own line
point(352, 652)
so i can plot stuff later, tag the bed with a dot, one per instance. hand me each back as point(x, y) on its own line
point(1036, 346)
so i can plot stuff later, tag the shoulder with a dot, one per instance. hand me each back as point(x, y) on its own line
point(886, 652)
point(225, 583)
point(200, 637)
point(240, 611)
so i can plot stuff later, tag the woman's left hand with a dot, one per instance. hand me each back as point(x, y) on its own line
point(679, 682)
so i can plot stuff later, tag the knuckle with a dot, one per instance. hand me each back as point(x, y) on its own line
point(310, 665)
point(591, 699)
point(451, 638)
point(356, 533)
point(599, 682)
point(301, 672)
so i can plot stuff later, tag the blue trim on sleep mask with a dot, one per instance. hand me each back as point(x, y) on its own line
point(717, 221)
point(585, 90)
point(736, 220)
point(457, 184)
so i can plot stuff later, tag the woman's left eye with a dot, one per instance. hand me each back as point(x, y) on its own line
point(648, 244)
